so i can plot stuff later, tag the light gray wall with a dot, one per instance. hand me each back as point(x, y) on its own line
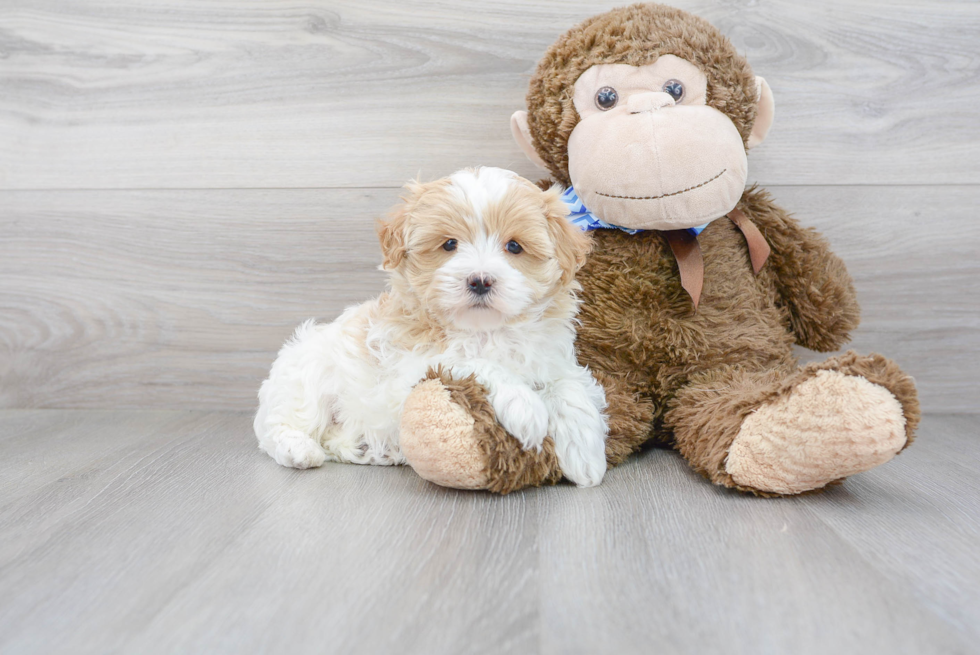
point(182, 182)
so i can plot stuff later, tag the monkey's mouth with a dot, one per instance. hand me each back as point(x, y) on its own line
point(665, 195)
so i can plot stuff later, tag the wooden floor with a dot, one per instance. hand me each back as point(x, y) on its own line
point(168, 531)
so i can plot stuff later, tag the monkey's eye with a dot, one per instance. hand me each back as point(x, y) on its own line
point(674, 89)
point(606, 98)
point(450, 245)
point(514, 248)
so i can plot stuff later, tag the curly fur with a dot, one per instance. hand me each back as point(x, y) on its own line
point(462, 297)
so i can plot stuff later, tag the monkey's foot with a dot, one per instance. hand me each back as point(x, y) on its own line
point(832, 424)
point(450, 436)
point(438, 439)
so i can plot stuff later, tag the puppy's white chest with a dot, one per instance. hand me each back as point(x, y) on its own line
point(482, 345)
point(479, 345)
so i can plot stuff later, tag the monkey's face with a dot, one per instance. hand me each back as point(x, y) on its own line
point(647, 152)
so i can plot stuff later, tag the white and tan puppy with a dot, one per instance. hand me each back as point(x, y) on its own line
point(482, 268)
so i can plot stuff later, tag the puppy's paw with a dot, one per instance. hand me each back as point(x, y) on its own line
point(580, 430)
point(523, 414)
point(584, 466)
point(581, 455)
point(298, 451)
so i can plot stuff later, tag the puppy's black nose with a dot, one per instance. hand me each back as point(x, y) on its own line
point(480, 284)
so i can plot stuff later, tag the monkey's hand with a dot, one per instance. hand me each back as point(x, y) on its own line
point(813, 282)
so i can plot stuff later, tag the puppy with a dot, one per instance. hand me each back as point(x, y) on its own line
point(482, 267)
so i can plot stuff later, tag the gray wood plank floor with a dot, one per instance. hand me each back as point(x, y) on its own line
point(167, 531)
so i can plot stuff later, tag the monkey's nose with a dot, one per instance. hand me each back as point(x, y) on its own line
point(650, 101)
point(480, 284)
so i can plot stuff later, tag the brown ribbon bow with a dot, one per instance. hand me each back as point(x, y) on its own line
point(690, 263)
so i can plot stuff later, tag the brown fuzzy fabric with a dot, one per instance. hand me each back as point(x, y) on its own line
point(713, 366)
point(509, 467)
point(812, 282)
point(630, 418)
point(675, 375)
point(639, 325)
point(636, 35)
point(707, 414)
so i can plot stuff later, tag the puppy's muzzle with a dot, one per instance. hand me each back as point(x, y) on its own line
point(480, 285)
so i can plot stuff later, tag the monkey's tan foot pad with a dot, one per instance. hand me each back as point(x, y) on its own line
point(437, 438)
point(450, 436)
point(826, 428)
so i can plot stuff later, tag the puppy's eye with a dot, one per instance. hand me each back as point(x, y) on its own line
point(450, 245)
point(606, 98)
point(674, 89)
point(514, 248)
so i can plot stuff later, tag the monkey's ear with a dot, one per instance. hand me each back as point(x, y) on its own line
point(522, 134)
point(764, 114)
point(391, 234)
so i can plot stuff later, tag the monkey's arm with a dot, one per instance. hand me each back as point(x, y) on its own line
point(812, 282)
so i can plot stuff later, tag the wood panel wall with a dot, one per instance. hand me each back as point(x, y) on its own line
point(182, 182)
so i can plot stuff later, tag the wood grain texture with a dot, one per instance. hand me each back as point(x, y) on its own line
point(904, 509)
point(271, 94)
point(185, 513)
point(161, 532)
point(700, 569)
point(914, 254)
point(182, 298)
point(172, 285)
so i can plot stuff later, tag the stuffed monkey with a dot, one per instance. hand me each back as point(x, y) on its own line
point(696, 288)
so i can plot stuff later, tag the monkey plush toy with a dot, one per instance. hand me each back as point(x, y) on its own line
point(696, 288)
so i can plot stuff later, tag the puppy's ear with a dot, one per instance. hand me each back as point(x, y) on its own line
point(391, 234)
point(393, 231)
point(572, 245)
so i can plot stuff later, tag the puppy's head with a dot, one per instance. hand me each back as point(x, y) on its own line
point(482, 248)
